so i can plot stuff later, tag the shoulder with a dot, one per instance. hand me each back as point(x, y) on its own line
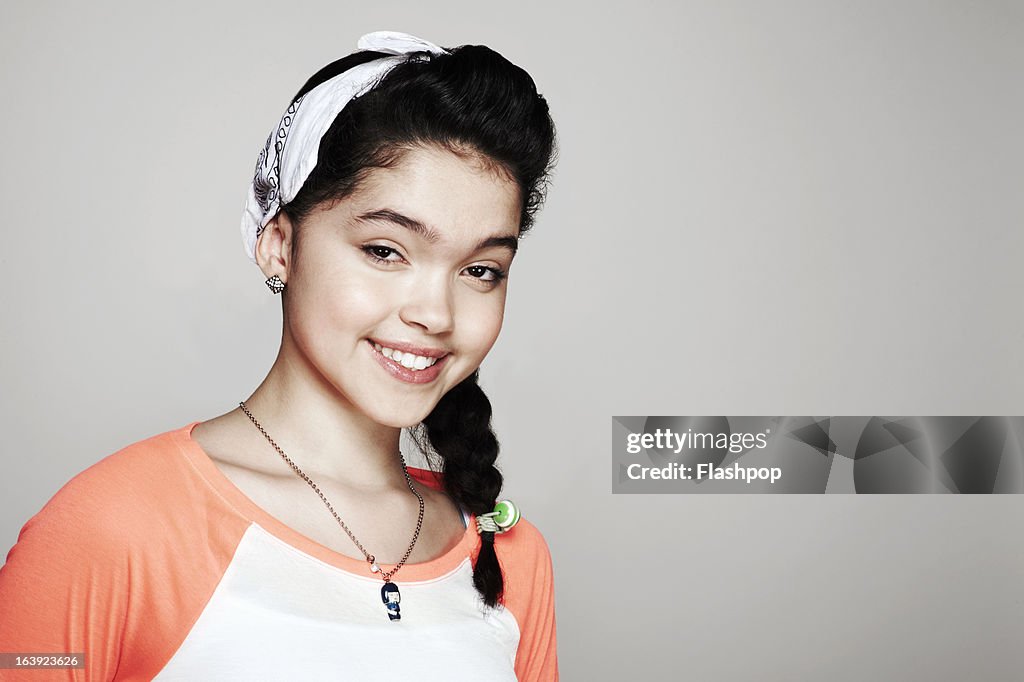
point(105, 506)
point(139, 516)
point(526, 563)
point(523, 544)
point(129, 477)
point(96, 568)
point(79, 544)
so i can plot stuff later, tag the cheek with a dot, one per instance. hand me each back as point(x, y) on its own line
point(483, 321)
point(354, 300)
point(336, 297)
point(339, 283)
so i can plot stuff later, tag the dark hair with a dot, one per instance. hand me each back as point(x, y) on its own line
point(472, 102)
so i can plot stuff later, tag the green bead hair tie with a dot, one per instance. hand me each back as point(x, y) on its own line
point(501, 520)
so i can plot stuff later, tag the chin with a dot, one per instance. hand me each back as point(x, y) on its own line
point(401, 424)
point(400, 419)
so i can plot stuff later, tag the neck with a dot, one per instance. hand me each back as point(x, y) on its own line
point(322, 432)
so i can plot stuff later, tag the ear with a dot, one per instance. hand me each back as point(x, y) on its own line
point(274, 247)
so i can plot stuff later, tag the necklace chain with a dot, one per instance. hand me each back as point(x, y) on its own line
point(369, 557)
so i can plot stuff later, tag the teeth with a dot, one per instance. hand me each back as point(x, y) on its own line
point(407, 360)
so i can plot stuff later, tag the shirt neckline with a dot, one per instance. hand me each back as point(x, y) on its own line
point(244, 505)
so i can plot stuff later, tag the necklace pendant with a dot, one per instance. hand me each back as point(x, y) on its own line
point(390, 596)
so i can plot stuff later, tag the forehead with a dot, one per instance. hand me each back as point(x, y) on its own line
point(452, 193)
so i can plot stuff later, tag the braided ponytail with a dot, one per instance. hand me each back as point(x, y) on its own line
point(458, 430)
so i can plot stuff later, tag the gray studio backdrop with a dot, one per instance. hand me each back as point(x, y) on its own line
point(761, 208)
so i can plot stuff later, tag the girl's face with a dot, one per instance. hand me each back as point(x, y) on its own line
point(415, 261)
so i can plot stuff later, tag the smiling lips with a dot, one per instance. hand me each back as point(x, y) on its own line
point(409, 366)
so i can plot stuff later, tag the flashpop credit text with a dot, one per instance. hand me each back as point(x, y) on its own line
point(704, 470)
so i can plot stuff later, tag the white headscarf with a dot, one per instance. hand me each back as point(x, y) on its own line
point(290, 153)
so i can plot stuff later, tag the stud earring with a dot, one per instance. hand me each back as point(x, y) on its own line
point(275, 284)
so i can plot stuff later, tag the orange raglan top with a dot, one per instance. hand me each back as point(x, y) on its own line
point(156, 566)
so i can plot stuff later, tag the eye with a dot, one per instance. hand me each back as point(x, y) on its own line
point(487, 274)
point(380, 253)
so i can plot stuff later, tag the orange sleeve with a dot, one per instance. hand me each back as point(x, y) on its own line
point(117, 565)
point(62, 588)
point(530, 595)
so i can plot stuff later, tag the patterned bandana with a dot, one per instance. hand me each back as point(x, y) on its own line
point(290, 154)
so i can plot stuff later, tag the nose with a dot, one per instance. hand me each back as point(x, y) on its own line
point(429, 305)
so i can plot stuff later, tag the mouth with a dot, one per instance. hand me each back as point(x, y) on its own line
point(407, 367)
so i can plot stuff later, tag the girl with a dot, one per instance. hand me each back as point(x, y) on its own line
point(287, 538)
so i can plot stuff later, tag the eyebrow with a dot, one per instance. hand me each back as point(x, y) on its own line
point(509, 242)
